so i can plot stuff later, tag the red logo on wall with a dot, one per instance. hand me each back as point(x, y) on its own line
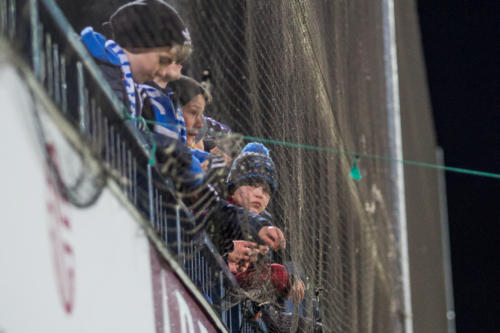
point(174, 306)
point(59, 229)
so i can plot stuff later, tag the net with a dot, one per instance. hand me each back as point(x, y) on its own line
point(312, 73)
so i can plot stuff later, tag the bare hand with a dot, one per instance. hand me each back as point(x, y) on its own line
point(297, 291)
point(227, 158)
point(273, 237)
point(243, 250)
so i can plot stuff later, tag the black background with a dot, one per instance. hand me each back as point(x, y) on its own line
point(460, 40)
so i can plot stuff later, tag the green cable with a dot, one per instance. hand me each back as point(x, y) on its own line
point(372, 156)
point(356, 155)
point(152, 151)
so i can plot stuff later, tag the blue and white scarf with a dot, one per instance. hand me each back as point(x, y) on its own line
point(169, 121)
point(130, 85)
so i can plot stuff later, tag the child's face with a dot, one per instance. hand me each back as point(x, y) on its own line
point(193, 112)
point(255, 198)
point(168, 74)
point(148, 64)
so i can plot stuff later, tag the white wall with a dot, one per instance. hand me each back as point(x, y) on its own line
point(64, 269)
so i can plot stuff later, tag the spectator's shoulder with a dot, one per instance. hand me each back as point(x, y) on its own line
point(96, 44)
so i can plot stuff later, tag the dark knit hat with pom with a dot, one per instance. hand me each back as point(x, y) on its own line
point(148, 24)
point(252, 166)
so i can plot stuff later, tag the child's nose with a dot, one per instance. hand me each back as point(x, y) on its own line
point(258, 192)
point(199, 122)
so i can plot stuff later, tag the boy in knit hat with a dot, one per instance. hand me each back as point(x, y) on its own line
point(149, 37)
point(251, 182)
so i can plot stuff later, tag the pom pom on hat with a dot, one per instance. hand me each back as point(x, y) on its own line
point(256, 147)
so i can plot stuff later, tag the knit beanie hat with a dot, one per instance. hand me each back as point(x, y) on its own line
point(148, 24)
point(253, 165)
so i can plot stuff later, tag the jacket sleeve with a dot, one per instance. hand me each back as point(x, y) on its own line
point(228, 222)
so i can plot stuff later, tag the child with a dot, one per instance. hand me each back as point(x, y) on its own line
point(251, 182)
point(148, 36)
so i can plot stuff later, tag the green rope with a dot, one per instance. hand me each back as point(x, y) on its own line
point(152, 151)
point(355, 173)
point(372, 156)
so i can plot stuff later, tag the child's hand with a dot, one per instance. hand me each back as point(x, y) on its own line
point(243, 250)
point(297, 291)
point(227, 158)
point(273, 237)
point(238, 267)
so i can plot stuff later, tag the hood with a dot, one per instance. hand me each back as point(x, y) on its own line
point(95, 43)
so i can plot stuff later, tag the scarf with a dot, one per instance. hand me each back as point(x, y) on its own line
point(130, 85)
point(169, 121)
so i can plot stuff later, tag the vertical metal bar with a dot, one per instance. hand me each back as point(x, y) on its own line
point(445, 241)
point(100, 132)
point(81, 97)
point(125, 166)
point(165, 224)
point(93, 121)
point(57, 73)
point(49, 84)
point(150, 194)
point(112, 146)
point(3, 15)
point(202, 273)
point(191, 246)
point(160, 214)
point(178, 227)
point(396, 147)
point(64, 86)
point(12, 19)
point(129, 176)
point(134, 182)
point(35, 39)
point(209, 282)
point(157, 209)
point(222, 294)
point(240, 317)
point(117, 154)
point(107, 141)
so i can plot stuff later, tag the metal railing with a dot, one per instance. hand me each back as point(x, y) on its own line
point(40, 34)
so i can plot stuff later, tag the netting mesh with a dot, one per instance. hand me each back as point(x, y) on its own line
point(302, 72)
point(308, 72)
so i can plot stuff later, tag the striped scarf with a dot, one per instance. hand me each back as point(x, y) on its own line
point(130, 85)
point(169, 121)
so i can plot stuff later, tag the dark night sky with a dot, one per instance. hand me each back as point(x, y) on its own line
point(462, 68)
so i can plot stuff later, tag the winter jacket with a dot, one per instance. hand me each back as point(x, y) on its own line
point(182, 166)
point(109, 64)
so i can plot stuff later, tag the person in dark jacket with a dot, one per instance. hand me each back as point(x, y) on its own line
point(148, 37)
point(252, 181)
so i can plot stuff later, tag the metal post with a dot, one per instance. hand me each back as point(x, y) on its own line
point(178, 227)
point(81, 98)
point(222, 295)
point(445, 241)
point(150, 194)
point(396, 146)
point(35, 39)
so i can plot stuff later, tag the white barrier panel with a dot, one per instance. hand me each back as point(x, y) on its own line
point(65, 269)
